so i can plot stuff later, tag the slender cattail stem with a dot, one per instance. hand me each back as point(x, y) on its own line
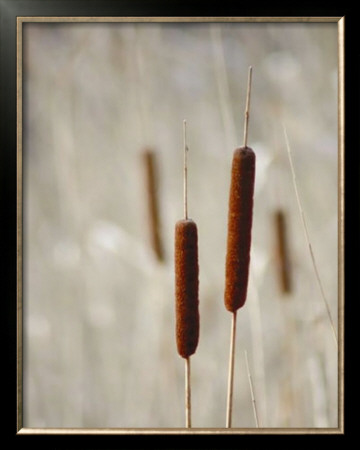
point(252, 391)
point(186, 149)
point(187, 393)
point(247, 109)
point(231, 372)
point(308, 240)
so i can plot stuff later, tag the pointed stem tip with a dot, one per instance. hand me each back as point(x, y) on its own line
point(247, 108)
point(185, 170)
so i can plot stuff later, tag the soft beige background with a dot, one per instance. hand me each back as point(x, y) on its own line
point(98, 308)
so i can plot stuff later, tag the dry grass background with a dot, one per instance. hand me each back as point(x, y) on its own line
point(99, 325)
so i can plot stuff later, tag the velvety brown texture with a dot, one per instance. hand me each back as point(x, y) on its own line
point(282, 252)
point(186, 287)
point(149, 158)
point(239, 227)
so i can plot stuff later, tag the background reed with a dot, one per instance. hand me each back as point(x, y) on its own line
point(151, 192)
point(98, 311)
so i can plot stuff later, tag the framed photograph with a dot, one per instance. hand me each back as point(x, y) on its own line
point(129, 125)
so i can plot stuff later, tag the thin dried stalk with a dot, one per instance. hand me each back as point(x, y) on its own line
point(308, 241)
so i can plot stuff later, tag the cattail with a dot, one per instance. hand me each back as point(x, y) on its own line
point(239, 239)
point(151, 177)
point(187, 286)
point(239, 227)
point(186, 289)
point(282, 251)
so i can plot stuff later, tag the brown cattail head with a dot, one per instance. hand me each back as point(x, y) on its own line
point(186, 287)
point(151, 178)
point(239, 227)
point(282, 251)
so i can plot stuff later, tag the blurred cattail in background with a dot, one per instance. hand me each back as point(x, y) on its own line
point(282, 251)
point(151, 176)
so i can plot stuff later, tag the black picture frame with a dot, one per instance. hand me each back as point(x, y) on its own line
point(10, 10)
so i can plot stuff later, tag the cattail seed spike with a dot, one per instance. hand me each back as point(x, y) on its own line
point(247, 109)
